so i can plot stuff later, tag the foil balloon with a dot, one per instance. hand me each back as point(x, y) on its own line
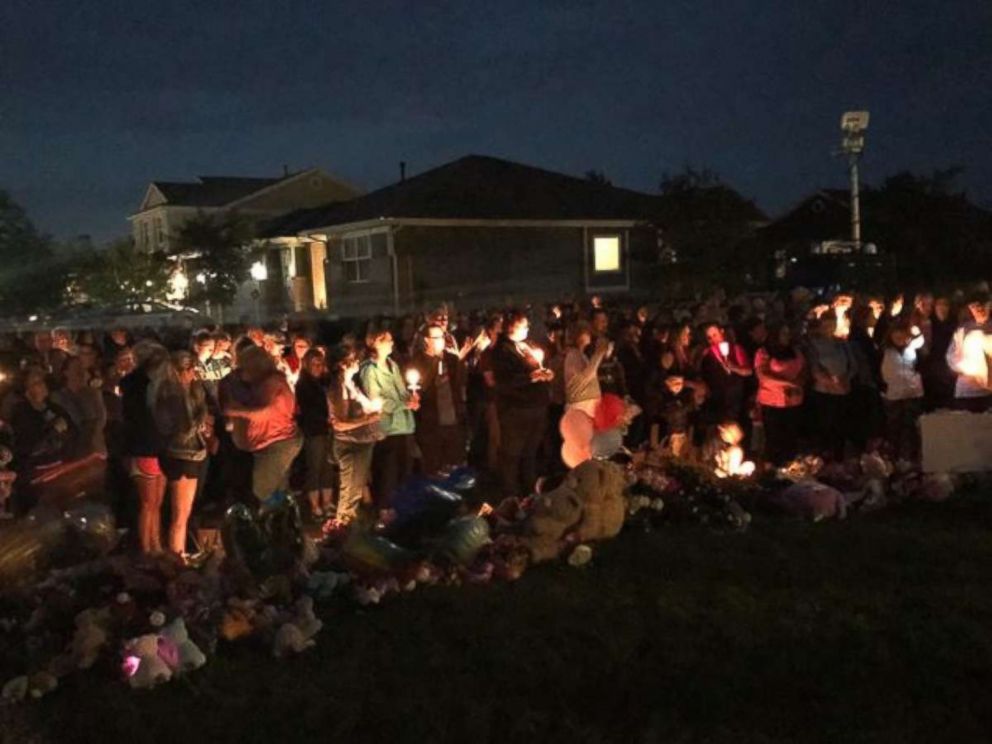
point(365, 553)
point(422, 510)
point(48, 537)
point(242, 538)
point(463, 538)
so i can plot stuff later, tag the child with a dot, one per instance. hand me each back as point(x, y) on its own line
point(672, 416)
point(724, 453)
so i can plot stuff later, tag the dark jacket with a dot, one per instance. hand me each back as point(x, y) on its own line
point(180, 415)
point(140, 435)
point(512, 370)
point(427, 366)
point(311, 403)
point(41, 437)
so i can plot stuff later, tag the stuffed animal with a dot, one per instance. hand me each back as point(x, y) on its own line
point(552, 515)
point(600, 486)
point(298, 634)
point(811, 499)
point(90, 636)
point(589, 500)
point(189, 656)
point(143, 666)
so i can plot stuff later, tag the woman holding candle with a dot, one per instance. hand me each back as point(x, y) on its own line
point(966, 356)
point(522, 400)
point(781, 369)
point(724, 368)
point(392, 459)
point(441, 417)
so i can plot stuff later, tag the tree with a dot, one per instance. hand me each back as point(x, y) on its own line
point(120, 273)
point(598, 176)
point(32, 276)
point(221, 249)
point(704, 222)
point(932, 229)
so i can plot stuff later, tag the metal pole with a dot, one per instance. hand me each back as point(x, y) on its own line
point(855, 203)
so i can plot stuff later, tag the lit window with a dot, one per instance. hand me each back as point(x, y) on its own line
point(606, 253)
point(356, 253)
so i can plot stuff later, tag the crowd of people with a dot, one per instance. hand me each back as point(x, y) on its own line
point(177, 422)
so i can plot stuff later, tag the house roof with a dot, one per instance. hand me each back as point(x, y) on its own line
point(212, 191)
point(478, 187)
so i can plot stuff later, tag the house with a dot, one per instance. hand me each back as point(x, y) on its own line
point(167, 205)
point(478, 231)
point(809, 245)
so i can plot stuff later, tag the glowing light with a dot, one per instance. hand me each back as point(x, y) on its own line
point(178, 285)
point(130, 665)
point(843, 329)
point(33, 318)
point(606, 253)
point(201, 278)
point(259, 272)
point(538, 355)
point(375, 405)
point(413, 380)
point(973, 352)
point(725, 349)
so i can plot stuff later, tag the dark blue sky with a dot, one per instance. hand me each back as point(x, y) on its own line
point(100, 97)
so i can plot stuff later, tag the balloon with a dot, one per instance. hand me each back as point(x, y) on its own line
point(463, 539)
point(366, 553)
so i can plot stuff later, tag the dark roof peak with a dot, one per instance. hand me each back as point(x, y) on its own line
point(483, 187)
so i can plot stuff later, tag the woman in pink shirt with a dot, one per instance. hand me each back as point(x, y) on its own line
point(271, 434)
point(781, 371)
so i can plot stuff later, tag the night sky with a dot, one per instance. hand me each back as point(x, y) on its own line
point(98, 98)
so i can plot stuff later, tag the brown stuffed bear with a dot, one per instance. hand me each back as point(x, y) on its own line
point(600, 485)
point(589, 500)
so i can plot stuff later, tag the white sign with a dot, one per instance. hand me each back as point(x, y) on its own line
point(956, 442)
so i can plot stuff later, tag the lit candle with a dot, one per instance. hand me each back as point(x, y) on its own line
point(413, 380)
point(725, 349)
point(538, 355)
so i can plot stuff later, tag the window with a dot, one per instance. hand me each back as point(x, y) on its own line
point(357, 256)
point(159, 232)
point(143, 240)
point(606, 254)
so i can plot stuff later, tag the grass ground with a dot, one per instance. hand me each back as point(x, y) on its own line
point(876, 629)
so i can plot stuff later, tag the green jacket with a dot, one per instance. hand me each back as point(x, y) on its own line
point(385, 381)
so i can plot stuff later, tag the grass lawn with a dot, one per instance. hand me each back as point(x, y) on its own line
point(874, 629)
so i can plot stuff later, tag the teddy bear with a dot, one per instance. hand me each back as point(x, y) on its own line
point(298, 634)
point(188, 656)
point(90, 636)
point(600, 487)
point(552, 515)
point(143, 665)
point(589, 500)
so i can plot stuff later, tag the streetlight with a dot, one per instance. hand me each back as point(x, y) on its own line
point(259, 272)
point(853, 124)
